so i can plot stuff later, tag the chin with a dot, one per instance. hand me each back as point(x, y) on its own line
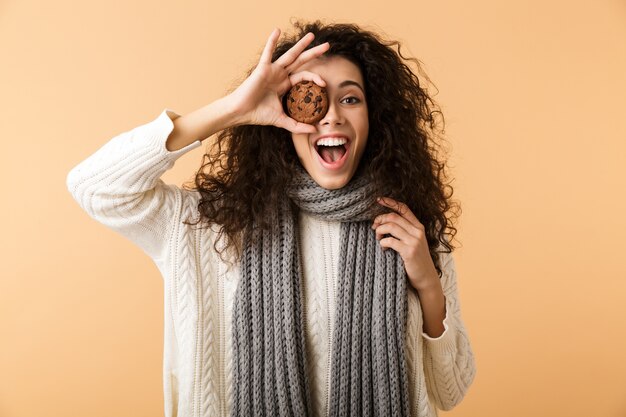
point(330, 182)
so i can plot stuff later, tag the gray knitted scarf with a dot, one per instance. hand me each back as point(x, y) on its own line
point(368, 365)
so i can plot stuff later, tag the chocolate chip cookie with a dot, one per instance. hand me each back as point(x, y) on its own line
point(306, 102)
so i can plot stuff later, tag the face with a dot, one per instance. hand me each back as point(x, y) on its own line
point(343, 129)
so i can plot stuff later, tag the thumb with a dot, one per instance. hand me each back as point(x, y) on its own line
point(294, 126)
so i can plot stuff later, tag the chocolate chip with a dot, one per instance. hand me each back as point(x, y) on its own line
point(307, 102)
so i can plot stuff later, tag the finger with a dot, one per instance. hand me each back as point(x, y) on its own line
point(402, 209)
point(396, 218)
point(393, 243)
point(295, 126)
point(307, 76)
point(288, 57)
point(395, 230)
point(266, 56)
point(307, 55)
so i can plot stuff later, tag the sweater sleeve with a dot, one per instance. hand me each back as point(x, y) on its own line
point(449, 363)
point(120, 186)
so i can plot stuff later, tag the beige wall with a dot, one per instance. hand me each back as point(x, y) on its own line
point(534, 94)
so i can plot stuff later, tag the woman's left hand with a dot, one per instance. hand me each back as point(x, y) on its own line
point(408, 238)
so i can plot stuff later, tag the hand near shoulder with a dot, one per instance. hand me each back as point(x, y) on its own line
point(258, 100)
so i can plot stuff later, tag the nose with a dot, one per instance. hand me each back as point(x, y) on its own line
point(333, 116)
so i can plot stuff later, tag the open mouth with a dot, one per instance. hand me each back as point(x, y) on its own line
point(332, 151)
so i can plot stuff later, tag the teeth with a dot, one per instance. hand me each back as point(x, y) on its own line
point(331, 141)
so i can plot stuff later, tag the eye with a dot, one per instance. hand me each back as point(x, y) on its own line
point(352, 97)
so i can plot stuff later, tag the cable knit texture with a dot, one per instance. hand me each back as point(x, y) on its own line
point(119, 186)
point(368, 369)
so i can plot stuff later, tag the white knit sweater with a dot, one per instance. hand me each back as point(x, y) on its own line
point(120, 187)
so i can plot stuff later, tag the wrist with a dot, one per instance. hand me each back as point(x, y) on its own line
point(230, 110)
point(234, 108)
point(428, 286)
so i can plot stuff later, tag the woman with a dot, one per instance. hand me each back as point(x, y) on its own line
point(287, 299)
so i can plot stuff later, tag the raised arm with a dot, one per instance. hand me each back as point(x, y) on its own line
point(202, 123)
point(120, 186)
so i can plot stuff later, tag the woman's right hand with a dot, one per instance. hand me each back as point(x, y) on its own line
point(258, 100)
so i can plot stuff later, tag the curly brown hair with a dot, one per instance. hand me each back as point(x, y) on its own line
point(246, 171)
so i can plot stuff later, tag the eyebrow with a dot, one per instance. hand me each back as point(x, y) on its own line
point(350, 82)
